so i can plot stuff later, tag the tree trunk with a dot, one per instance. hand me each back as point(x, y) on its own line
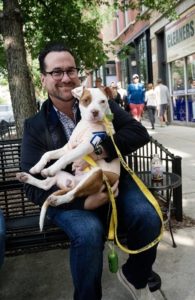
point(19, 79)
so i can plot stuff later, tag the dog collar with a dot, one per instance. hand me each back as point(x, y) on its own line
point(98, 150)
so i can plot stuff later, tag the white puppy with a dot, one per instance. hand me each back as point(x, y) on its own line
point(93, 104)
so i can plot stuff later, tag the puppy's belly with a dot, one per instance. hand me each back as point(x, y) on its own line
point(110, 167)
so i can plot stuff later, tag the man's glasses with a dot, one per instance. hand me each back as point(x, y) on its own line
point(59, 74)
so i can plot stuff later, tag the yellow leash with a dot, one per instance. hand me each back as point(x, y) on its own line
point(112, 235)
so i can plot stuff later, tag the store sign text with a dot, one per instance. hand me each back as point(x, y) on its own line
point(180, 37)
point(181, 34)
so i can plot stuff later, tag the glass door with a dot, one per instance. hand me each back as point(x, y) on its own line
point(191, 87)
point(178, 89)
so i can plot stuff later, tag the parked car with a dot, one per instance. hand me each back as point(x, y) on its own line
point(6, 113)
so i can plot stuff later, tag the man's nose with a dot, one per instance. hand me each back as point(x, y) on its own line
point(65, 77)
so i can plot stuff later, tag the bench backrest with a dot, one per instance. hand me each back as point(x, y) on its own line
point(13, 200)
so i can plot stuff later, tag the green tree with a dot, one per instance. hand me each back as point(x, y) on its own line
point(69, 21)
point(19, 78)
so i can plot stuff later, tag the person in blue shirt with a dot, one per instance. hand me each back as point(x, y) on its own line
point(136, 97)
point(2, 238)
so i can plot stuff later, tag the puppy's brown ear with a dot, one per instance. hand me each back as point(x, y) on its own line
point(108, 92)
point(85, 82)
point(78, 92)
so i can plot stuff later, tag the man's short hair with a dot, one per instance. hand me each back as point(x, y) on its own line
point(52, 47)
point(98, 79)
point(159, 80)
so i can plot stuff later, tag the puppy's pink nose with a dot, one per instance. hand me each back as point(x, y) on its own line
point(95, 113)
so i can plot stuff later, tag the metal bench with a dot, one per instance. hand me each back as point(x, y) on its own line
point(21, 216)
point(22, 230)
point(7, 130)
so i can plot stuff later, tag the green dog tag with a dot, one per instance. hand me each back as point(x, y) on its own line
point(113, 260)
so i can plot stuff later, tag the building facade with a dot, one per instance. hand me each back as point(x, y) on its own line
point(135, 35)
point(158, 48)
point(173, 60)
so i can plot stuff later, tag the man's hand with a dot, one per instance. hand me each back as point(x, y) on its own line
point(79, 166)
point(100, 198)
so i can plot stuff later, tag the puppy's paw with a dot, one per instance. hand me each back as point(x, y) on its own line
point(52, 200)
point(22, 176)
point(51, 171)
point(55, 200)
point(48, 172)
point(41, 164)
point(38, 167)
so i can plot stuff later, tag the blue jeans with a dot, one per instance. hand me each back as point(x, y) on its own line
point(87, 235)
point(139, 219)
point(2, 238)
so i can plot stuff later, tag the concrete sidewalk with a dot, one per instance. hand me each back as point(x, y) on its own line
point(176, 265)
point(180, 140)
point(46, 275)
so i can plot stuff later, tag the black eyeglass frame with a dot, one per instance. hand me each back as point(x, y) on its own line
point(63, 72)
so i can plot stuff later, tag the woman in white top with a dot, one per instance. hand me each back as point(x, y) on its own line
point(151, 103)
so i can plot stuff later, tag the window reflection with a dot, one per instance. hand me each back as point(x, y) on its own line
point(191, 108)
point(177, 68)
point(142, 54)
point(191, 73)
point(179, 108)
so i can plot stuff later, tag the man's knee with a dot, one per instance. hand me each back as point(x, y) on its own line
point(147, 220)
point(151, 221)
point(92, 235)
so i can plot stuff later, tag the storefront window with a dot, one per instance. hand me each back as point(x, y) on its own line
point(191, 73)
point(191, 87)
point(177, 71)
point(142, 55)
point(124, 76)
point(191, 108)
point(179, 108)
point(110, 69)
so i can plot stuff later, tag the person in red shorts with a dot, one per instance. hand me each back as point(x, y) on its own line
point(136, 97)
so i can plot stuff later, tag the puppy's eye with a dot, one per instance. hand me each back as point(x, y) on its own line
point(102, 101)
point(86, 101)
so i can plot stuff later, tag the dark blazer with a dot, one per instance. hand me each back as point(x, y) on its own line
point(44, 132)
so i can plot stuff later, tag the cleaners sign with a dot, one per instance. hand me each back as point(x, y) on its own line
point(180, 37)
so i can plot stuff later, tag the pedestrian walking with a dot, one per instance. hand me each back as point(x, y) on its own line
point(116, 95)
point(98, 82)
point(136, 97)
point(123, 94)
point(163, 100)
point(151, 104)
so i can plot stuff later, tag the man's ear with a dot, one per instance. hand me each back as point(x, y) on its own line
point(42, 80)
point(78, 92)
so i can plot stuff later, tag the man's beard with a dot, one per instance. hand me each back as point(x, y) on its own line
point(60, 95)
